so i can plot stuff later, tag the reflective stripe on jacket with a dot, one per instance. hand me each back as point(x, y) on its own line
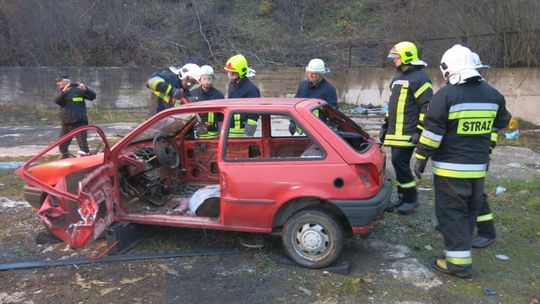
point(411, 93)
point(459, 126)
point(72, 105)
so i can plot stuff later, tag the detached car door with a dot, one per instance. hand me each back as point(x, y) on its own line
point(78, 192)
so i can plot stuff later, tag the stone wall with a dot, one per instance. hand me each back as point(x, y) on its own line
point(121, 88)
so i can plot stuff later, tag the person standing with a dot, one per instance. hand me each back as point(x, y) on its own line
point(206, 91)
point(315, 85)
point(170, 86)
point(71, 99)
point(457, 135)
point(403, 124)
point(241, 87)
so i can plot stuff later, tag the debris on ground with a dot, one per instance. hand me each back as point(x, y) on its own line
point(502, 257)
point(500, 190)
point(490, 292)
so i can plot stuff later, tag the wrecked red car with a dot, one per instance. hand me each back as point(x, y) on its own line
point(308, 173)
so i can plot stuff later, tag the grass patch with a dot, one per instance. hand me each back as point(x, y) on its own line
point(10, 184)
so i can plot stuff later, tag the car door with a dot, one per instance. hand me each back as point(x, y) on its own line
point(78, 200)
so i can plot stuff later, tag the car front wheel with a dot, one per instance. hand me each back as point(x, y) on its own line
point(312, 238)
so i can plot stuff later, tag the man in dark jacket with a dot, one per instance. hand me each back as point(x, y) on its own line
point(315, 86)
point(71, 98)
point(457, 137)
point(411, 92)
point(206, 91)
point(170, 86)
point(241, 87)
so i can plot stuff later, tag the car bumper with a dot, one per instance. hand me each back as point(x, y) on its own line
point(363, 212)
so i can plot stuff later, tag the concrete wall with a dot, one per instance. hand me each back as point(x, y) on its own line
point(125, 87)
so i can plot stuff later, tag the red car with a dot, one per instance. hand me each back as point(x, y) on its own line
point(308, 173)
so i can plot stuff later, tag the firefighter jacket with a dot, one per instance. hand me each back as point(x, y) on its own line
point(211, 118)
point(242, 88)
point(321, 90)
point(411, 93)
point(458, 128)
point(165, 86)
point(72, 104)
point(198, 94)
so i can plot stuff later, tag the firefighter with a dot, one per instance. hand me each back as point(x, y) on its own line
point(206, 91)
point(456, 137)
point(171, 85)
point(485, 228)
point(73, 114)
point(403, 124)
point(241, 87)
point(315, 85)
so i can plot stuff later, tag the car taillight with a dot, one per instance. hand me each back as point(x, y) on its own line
point(366, 174)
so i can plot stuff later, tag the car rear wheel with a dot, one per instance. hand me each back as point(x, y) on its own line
point(312, 238)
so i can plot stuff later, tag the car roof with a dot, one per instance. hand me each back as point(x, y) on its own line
point(257, 102)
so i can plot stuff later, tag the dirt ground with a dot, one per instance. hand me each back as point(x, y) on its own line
point(391, 265)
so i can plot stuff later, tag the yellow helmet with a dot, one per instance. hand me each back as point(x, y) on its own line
point(407, 52)
point(238, 64)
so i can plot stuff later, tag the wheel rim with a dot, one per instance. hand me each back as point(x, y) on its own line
point(312, 241)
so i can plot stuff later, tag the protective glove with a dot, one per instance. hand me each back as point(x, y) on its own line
point(419, 167)
point(415, 138)
point(292, 127)
point(249, 130)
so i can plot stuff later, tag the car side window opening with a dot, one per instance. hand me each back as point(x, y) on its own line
point(272, 140)
point(344, 127)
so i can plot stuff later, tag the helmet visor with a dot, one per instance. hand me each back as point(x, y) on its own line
point(393, 56)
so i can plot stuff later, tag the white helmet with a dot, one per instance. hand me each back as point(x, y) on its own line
point(317, 66)
point(175, 69)
point(207, 70)
point(478, 62)
point(192, 70)
point(457, 65)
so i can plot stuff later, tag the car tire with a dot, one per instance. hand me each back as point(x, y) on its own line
point(312, 238)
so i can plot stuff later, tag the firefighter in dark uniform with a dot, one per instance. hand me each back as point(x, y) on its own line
point(485, 227)
point(457, 135)
point(206, 91)
point(315, 85)
point(170, 87)
point(241, 87)
point(403, 124)
point(73, 112)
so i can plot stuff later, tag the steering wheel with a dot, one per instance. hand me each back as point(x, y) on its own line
point(166, 152)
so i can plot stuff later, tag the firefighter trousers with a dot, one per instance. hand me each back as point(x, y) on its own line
point(406, 185)
point(457, 201)
point(484, 221)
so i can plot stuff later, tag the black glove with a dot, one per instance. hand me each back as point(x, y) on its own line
point(415, 138)
point(382, 134)
point(492, 145)
point(419, 167)
point(292, 127)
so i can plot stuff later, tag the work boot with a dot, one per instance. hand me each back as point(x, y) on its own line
point(407, 208)
point(441, 266)
point(481, 241)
